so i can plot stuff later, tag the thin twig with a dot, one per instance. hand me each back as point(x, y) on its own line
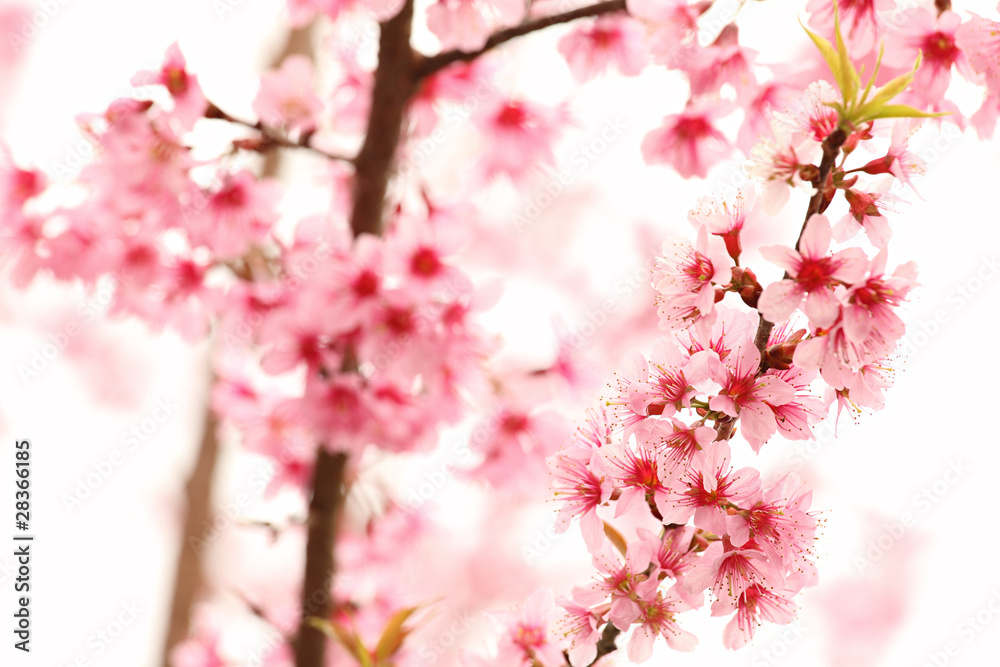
point(188, 575)
point(831, 149)
point(435, 63)
point(272, 137)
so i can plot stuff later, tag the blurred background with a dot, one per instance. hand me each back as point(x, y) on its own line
point(908, 569)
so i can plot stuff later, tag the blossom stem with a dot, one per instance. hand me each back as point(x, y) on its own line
point(831, 149)
point(271, 137)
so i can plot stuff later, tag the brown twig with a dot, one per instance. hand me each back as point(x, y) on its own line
point(270, 137)
point(831, 149)
point(188, 574)
point(395, 83)
point(435, 63)
point(324, 522)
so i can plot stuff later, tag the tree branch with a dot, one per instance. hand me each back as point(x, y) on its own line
point(324, 523)
point(395, 84)
point(435, 63)
point(831, 149)
point(272, 138)
point(188, 575)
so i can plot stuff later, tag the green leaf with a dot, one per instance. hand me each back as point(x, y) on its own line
point(347, 639)
point(851, 80)
point(829, 55)
point(899, 111)
point(394, 634)
point(615, 537)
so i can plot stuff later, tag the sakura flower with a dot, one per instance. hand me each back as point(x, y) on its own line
point(898, 161)
point(286, 99)
point(609, 41)
point(189, 101)
point(629, 406)
point(689, 141)
point(673, 556)
point(870, 304)
point(777, 164)
point(755, 604)
point(727, 218)
point(619, 582)
point(520, 134)
point(467, 24)
point(933, 36)
point(641, 474)
point(859, 20)
point(675, 439)
point(812, 272)
point(776, 516)
point(527, 629)
point(581, 491)
point(979, 39)
point(707, 487)
point(672, 29)
point(865, 213)
point(658, 619)
point(240, 212)
point(748, 397)
point(692, 272)
point(459, 82)
point(723, 62)
point(729, 571)
point(796, 417)
point(580, 624)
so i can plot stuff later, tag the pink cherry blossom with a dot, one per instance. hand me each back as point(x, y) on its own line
point(729, 571)
point(707, 486)
point(812, 272)
point(189, 101)
point(686, 277)
point(520, 135)
point(286, 98)
point(608, 42)
point(748, 397)
point(580, 491)
point(658, 619)
point(934, 37)
point(689, 141)
point(467, 24)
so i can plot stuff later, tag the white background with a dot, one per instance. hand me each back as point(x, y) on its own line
point(117, 548)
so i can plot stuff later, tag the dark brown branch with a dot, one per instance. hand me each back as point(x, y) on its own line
point(831, 149)
point(395, 83)
point(606, 644)
point(188, 575)
point(435, 63)
point(324, 522)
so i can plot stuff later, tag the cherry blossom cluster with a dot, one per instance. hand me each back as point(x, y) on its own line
point(660, 451)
